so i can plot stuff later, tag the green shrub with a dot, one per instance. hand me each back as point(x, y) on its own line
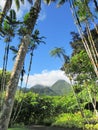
point(93, 120)
point(89, 127)
point(48, 121)
point(96, 127)
point(69, 120)
point(93, 124)
point(88, 113)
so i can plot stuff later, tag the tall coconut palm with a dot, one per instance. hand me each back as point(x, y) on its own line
point(83, 16)
point(60, 52)
point(13, 83)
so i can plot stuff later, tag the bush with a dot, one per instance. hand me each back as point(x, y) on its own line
point(93, 120)
point(93, 124)
point(48, 121)
point(91, 127)
point(96, 127)
point(69, 120)
point(88, 113)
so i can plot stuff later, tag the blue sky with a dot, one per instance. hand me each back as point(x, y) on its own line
point(55, 24)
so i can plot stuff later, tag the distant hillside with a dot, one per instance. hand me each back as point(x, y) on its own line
point(38, 86)
point(61, 87)
point(42, 90)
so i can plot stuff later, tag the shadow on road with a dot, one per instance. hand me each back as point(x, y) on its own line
point(45, 128)
point(36, 127)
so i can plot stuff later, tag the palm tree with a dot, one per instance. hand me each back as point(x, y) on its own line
point(35, 40)
point(60, 52)
point(13, 83)
point(82, 15)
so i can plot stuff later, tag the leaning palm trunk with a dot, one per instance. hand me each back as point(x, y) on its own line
point(75, 95)
point(90, 48)
point(13, 83)
point(12, 86)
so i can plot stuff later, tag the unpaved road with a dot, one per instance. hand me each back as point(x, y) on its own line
point(38, 127)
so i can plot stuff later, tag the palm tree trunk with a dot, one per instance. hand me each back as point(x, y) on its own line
point(84, 41)
point(13, 83)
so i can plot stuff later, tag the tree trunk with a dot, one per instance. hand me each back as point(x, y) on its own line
point(13, 83)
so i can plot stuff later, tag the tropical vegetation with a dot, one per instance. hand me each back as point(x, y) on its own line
point(20, 107)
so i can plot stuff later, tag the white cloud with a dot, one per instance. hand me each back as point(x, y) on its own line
point(46, 78)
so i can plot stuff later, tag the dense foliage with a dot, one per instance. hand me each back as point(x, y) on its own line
point(50, 110)
point(68, 111)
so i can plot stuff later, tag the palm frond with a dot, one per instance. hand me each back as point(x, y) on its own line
point(36, 38)
point(22, 1)
point(60, 3)
point(13, 49)
point(30, 1)
point(17, 4)
point(96, 4)
point(57, 52)
point(47, 2)
point(12, 14)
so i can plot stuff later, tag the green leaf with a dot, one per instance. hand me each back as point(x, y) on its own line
point(26, 18)
point(6, 25)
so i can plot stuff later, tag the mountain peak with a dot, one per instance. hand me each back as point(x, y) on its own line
point(60, 87)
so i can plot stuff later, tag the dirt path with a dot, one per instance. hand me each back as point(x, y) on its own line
point(38, 127)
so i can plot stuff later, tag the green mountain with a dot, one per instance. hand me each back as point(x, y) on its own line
point(38, 86)
point(61, 87)
point(42, 90)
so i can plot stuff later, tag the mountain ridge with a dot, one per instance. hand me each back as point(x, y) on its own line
point(60, 87)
